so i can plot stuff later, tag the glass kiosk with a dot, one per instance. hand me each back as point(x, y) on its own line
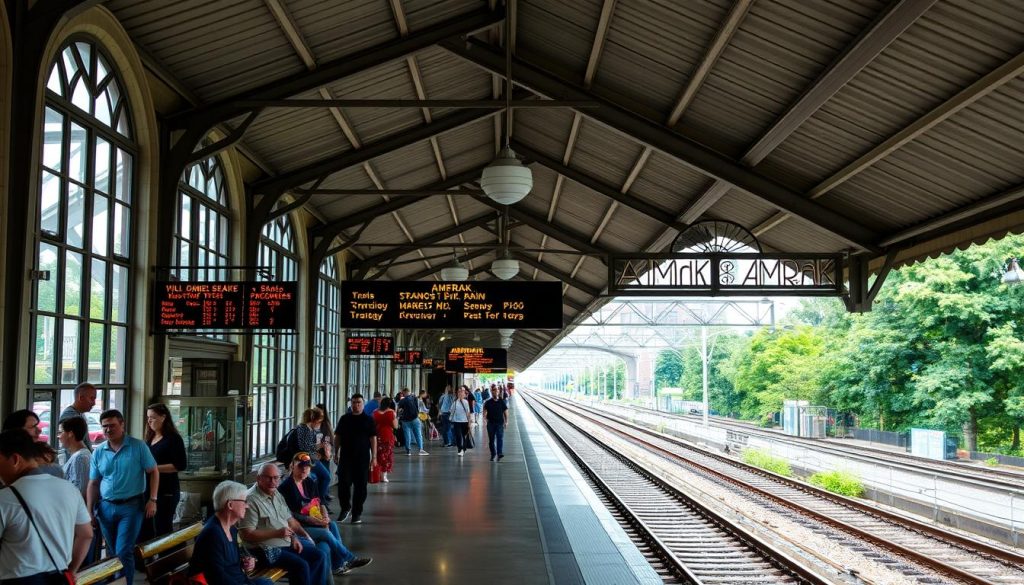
point(214, 432)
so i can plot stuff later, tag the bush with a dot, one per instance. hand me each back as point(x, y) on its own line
point(843, 483)
point(992, 462)
point(760, 458)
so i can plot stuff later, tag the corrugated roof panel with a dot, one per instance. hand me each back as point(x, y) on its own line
point(407, 168)
point(668, 183)
point(562, 32)
point(351, 178)
point(388, 81)
point(420, 14)
point(289, 138)
point(447, 77)
point(544, 129)
point(539, 199)
point(604, 154)
point(794, 235)
point(467, 147)
point(947, 49)
point(217, 49)
point(779, 49)
point(742, 208)
point(427, 217)
point(653, 47)
point(333, 29)
point(628, 230)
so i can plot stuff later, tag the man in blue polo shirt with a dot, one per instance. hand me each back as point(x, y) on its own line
point(117, 488)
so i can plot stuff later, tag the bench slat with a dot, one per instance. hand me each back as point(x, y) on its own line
point(99, 571)
point(158, 545)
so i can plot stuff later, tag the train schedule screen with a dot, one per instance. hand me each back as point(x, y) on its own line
point(357, 345)
point(185, 305)
point(456, 305)
point(476, 360)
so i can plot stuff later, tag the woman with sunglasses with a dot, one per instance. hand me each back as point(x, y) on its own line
point(300, 491)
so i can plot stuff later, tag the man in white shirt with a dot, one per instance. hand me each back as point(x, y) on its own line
point(54, 532)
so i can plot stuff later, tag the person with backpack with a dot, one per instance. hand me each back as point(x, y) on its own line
point(412, 428)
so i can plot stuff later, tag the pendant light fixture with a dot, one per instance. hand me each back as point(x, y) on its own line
point(504, 267)
point(506, 180)
point(455, 271)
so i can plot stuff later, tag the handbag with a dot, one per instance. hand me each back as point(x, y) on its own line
point(62, 576)
point(375, 474)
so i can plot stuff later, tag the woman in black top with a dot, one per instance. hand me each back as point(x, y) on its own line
point(168, 449)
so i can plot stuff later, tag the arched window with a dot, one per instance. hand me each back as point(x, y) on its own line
point(202, 234)
point(327, 342)
point(273, 360)
point(81, 297)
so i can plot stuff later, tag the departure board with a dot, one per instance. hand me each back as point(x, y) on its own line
point(183, 305)
point(369, 346)
point(411, 357)
point(476, 360)
point(454, 305)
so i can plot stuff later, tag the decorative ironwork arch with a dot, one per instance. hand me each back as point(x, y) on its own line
point(716, 236)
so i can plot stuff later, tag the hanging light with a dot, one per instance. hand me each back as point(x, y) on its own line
point(1014, 275)
point(506, 332)
point(455, 271)
point(506, 180)
point(505, 268)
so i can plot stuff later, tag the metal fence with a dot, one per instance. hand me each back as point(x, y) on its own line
point(901, 440)
point(1002, 459)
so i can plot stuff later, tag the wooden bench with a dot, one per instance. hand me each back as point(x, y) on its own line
point(164, 557)
point(98, 572)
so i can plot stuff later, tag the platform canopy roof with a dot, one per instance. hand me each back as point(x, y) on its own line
point(861, 126)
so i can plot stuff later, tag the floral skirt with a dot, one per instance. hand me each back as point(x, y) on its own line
point(385, 455)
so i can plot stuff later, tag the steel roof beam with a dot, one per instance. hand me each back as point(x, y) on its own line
point(334, 228)
point(600, 37)
point(341, 67)
point(566, 278)
point(428, 239)
point(650, 210)
point(464, 258)
point(657, 136)
point(563, 234)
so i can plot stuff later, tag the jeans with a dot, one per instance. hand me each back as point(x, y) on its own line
point(495, 437)
point(120, 524)
point(328, 540)
point(309, 567)
point(413, 430)
point(352, 479)
point(322, 476)
point(446, 428)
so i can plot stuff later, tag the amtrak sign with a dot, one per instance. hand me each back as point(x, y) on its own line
point(720, 274)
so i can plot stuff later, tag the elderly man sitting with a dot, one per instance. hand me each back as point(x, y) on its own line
point(280, 540)
point(215, 553)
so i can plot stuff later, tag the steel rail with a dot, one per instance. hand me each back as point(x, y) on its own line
point(766, 551)
point(1010, 558)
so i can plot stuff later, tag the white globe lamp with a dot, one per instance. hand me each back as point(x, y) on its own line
point(505, 268)
point(455, 271)
point(506, 180)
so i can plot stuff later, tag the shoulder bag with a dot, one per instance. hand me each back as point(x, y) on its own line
point(62, 576)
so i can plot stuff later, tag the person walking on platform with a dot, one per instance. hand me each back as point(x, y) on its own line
point(279, 539)
point(496, 415)
point(357, 452)
point(73, 437)
point(117, 489)
point(373, 404)
point(44, 524)
point(168, 449)
point(85, 400)
point(386, 422)
point(299, 490)
point(476, 400)
point(444, 408)
point(412, 428)
point(461, 413)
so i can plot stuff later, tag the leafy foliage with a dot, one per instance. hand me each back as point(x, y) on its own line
point(762, 459)
point(838, 482)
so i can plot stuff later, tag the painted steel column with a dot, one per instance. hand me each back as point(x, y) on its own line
point(704, 358)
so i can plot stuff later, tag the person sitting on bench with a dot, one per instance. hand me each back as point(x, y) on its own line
point(280, 540)
point(215, 554)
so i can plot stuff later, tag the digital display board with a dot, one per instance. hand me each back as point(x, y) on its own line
point(476, 360)
point(187, 305)
point(369, 346)
point(455, 305)
point(411, 357)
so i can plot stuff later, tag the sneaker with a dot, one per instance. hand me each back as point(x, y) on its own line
point(500, 457)
point(343, 516)
point(407, 453)
point(344, 568)
point(461, 453)
point(357, 520)
point(422, 452)
point(492, 457)
point(385, 479)
point(359, 562)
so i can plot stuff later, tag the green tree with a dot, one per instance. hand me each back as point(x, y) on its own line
point(668, 369)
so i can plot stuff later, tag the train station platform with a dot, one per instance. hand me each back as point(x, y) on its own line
point(529, 519)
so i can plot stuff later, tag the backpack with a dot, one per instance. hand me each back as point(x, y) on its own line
point(287, 447)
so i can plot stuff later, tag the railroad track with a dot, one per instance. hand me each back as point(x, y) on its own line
point(916, 548)
point(1002, 478)
point(683, 540)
